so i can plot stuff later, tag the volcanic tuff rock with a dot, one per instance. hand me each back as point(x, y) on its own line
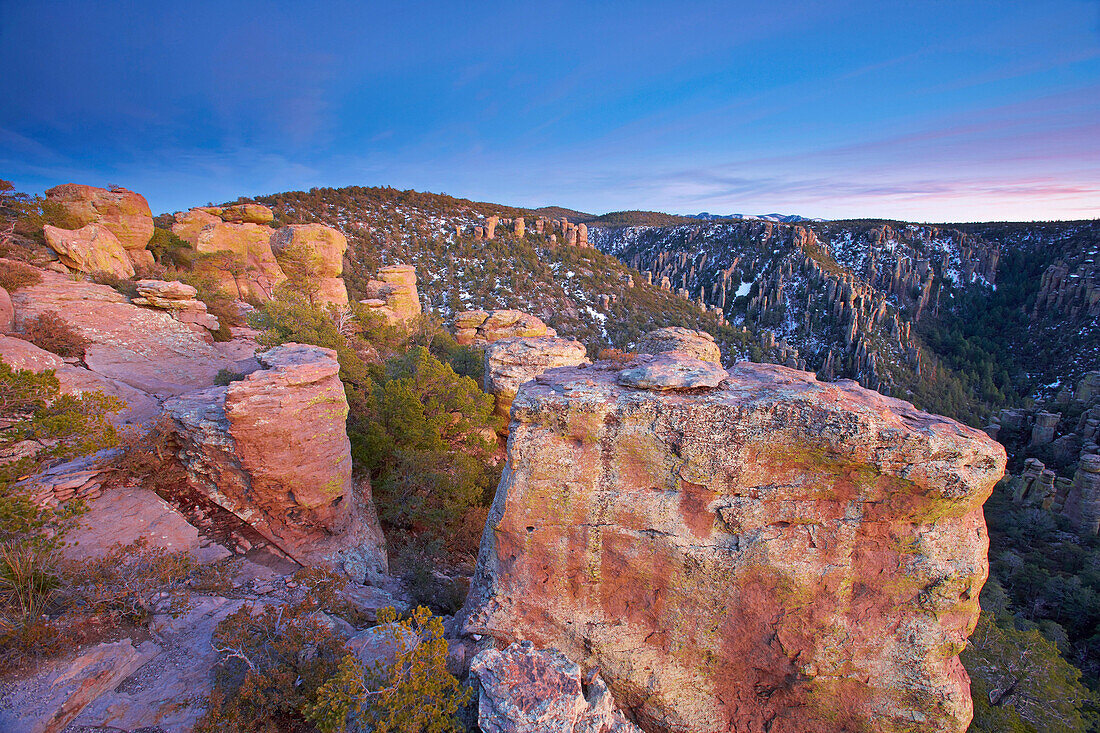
point(92, 248)
point(478, 328)
point(527, 690)
point(394, 294)
point(178, 299)
point(273, 449)
point(698, 344)
point(671, 370)
point(248, 213)
point(1083, 503)
point(327, 245)
point(511, 362)
point(125, 213)
point(775, 554)
point(144, 348)
point(250, 245)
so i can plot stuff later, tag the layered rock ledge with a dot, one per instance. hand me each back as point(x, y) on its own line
point(772, 554)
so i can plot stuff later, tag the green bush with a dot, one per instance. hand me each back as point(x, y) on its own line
point(415, 694)
point(48, 428)
point(123, 285)
point(225, 377)
point(128, 581)
point(272, 663)
point(1019, 682)
point(170, 250)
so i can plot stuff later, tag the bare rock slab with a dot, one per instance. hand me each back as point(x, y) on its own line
point(169, 691)
point(126, 514)
point(49, 701)
point(697, 344)
point(774, 553)
point(147, 349)
point(671, 371)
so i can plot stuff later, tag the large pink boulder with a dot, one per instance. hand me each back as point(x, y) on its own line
point(91, 249)
point(125, 213)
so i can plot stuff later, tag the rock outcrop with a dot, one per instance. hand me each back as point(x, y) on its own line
point(178, 299)
point(144, 348)
point(261, 257)
point(697, 344)
point(1083, 502)
point(248, 213)
point(774, 554)
point(671, 370)
point(511, 362)
point(527, 690)
point(124, 213)
point(92, 248)
point(477, 328)
point(253, 271)
point(272, 448)
point(59, 694)
point(394, 294)
point(325, 248)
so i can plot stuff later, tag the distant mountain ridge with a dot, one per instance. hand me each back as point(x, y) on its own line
point(783, 218)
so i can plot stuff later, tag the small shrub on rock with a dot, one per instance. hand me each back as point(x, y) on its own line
point(225, 377)
point(51, 332)
point(273, 661)
point(130, 582)
point(15, 275)
point(170, 250)
point(123, 285)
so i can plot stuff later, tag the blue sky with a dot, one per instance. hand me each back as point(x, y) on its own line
point(935, 110)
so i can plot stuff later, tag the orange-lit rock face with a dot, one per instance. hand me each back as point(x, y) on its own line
point(775, 554)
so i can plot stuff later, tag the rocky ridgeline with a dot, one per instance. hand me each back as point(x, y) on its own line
point(1075, 293)
point(557, 230)
point(759, 551)
point(841, 299)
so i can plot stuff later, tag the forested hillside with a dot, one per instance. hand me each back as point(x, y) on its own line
point(579, 291)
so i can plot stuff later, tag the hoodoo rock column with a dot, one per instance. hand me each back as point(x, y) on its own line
point(772, 554)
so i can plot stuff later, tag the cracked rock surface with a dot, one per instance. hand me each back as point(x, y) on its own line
point(772, 554)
